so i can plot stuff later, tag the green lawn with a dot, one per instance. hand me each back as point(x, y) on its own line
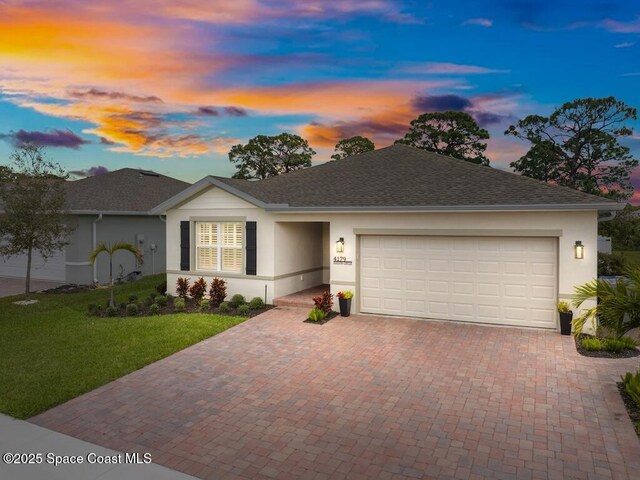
point(51, 351)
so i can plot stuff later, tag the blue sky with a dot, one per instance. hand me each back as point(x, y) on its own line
point(170, 86)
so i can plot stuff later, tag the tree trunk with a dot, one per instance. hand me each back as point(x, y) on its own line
point(27, 288)
point(112, 303)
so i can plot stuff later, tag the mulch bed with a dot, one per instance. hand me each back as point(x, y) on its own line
point(69, 288)
point(632, 408)
point(324, 320)
point(627, 353)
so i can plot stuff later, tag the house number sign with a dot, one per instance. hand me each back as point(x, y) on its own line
point(341, 261)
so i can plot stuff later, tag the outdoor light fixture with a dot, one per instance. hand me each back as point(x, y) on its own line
point(340, 245)
point(579, 249)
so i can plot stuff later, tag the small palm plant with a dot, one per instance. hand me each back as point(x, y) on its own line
point(110, 249)
point(618, 308)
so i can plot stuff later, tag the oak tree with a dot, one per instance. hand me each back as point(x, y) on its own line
point(32, 202)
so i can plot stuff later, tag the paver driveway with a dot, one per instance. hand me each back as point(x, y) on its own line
point(368, 397)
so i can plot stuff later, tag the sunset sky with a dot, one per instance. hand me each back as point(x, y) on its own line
point(171, 85)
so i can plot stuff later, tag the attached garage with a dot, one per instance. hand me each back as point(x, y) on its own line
point(498, 280)
point(52, 268)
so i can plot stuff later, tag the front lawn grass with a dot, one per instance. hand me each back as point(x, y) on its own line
point(52, 351)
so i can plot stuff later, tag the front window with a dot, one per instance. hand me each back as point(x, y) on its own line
point(219, 246)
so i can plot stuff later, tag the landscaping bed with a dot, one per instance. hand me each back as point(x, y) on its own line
point(624, 353)
point(324, 320)
point(145, 308)
point(192, 298)
point(632, 408)
point(70, 288)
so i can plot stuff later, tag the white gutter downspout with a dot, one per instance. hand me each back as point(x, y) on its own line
point(95, 243)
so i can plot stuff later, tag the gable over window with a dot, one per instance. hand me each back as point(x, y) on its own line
point(219, 246)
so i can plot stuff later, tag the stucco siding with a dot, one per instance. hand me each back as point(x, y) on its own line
point(112, 229)
point(211, 206)
point(294, 242)
point(215, 198)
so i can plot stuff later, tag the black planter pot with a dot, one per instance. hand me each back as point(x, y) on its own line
point(345, 306)
point(565, 322)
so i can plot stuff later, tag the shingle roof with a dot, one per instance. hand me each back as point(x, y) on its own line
point(125, 190)
point(403, 176)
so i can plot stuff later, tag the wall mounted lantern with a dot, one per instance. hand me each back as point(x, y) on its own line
point(340, 245)
point(579, 250)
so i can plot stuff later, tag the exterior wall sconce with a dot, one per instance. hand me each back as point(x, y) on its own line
point(579, 250)
point(340, 245)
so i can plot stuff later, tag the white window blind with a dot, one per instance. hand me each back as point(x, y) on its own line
point(219, 246)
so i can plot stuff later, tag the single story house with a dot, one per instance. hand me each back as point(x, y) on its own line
point(410, 232)
point(109, 208)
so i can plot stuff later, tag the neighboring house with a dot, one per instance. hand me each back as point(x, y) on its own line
point(109, 208)
point(412, 233)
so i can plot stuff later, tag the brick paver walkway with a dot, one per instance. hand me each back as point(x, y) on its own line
point(368, 397)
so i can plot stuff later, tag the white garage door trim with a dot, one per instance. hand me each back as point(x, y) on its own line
point(498, 280)
point(53, 268)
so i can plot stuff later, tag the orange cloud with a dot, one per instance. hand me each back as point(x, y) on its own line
point(383, 128)
point(345, 100)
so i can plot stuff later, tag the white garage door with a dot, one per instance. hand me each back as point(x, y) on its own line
point(509, 281)
point(53, 268)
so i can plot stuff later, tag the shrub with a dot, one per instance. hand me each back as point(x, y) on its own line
point(225, 307)
point(132, 298)
point(149, 301)
point(204, 305)
point(611, 264)
point(111, 311)
point(324, 302)
point(198, 289)
point(179, 305)
point(592, 344)
point(218, 291)
point(154, 309)
point(182, 287)
point(564, 307)
point(237, 300)
point(631, 384)
point(629, 343)
point(162, 288)
point(256, 303)
point(317, 315)
point(153, 295)
point(243, 309)
point(617, 310)
point(132, 309)
point(161, 300)
point(613, 345)
point(122, 306)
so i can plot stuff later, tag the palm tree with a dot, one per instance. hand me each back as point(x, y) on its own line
point(111, 249)
point(618, 308)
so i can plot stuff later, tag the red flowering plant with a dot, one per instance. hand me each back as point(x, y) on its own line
point(324, 302)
